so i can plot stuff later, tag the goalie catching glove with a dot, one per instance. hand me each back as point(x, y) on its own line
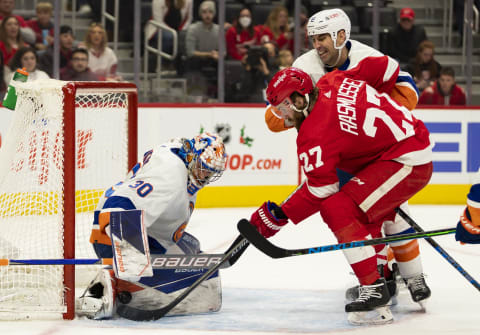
point(468, 228)
point(268, 219)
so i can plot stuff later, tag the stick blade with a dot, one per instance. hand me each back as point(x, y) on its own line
point(261, 243)
point(135, 314)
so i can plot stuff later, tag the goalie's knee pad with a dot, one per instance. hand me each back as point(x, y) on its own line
point(97, 302)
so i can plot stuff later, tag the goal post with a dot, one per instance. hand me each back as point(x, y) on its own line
point(67, 142)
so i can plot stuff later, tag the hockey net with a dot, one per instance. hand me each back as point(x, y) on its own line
point(67, 142)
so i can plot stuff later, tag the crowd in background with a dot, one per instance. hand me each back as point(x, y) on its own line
point(256, 47)
point(28, 43)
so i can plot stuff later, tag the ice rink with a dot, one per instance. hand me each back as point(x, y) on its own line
point(303, 294)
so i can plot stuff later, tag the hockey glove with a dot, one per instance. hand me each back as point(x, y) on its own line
point(467, 231)
point(268, 219)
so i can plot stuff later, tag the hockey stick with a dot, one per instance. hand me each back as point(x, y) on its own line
point(231, 255)
point(170, 261)
point(135, 314)
point(439, 249)
point(268, 248)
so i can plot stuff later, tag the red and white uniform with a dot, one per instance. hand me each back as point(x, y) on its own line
point(356, 129)
point(403, 89)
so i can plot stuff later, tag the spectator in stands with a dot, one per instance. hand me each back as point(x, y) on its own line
point(202, 51)
point(177, 14)
point(241, 35)
point(405, 38)
point(66, 47)
point(459, 10)
point(277, 29)
point(424, 68)
point(77, 69)
point(305, 45)
point(101, 59)
point(10, 38)
point(3, 85)
point(42, 25)
point(285, 59)
point(26, 58)
point(444, 91)
point(260, 66)
point(6, 9)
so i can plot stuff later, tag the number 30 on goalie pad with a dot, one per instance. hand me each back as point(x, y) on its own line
point(131, 256)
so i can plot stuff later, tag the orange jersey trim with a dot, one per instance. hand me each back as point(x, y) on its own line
point(405, 96)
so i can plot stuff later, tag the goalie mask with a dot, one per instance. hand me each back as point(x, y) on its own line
point(283, 84)
point(206, 160)
point(330, 21)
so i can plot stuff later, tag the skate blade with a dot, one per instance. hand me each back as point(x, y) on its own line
point(423, 305)
point(379, 316)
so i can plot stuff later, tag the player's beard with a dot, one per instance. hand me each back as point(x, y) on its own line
point(298, 119)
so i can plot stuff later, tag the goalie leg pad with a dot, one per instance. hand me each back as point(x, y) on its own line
point(98, 300)
point(207, 297)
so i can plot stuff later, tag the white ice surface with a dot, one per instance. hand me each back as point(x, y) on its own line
point(303, 294)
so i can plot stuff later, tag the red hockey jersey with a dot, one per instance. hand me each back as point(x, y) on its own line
point(351, 126)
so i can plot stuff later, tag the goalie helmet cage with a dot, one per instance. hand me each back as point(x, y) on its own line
point(67, 142)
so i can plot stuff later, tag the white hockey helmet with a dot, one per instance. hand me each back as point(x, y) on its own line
point(330, 21)
point(209, 159)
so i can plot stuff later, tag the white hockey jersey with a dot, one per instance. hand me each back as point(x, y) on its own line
point(158, 186)
point(311, 63)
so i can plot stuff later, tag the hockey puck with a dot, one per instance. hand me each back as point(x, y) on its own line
point(124, 297)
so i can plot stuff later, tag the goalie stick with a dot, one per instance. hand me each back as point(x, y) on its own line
point(268, 248)
point(439, 249)
point(232, 254)
point(170, 261)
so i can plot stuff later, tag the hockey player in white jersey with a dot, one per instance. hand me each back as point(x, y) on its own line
point(164, 188)
point(334, 50)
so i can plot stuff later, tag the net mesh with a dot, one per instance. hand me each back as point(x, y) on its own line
point(31, 189)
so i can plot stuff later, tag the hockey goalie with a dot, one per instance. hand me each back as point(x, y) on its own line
point(148, 213)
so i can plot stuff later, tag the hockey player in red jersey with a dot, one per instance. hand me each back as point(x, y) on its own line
point(332, 50)
point(344, 123)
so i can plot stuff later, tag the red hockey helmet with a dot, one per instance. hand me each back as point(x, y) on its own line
point(287, 81)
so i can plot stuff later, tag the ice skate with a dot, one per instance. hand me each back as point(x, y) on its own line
point(418, 288)
point(352, 293)
point(370, 307)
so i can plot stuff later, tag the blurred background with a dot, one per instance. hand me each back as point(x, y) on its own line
point(158, 44)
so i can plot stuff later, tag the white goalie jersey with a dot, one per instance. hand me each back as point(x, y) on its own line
point(158, 186)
